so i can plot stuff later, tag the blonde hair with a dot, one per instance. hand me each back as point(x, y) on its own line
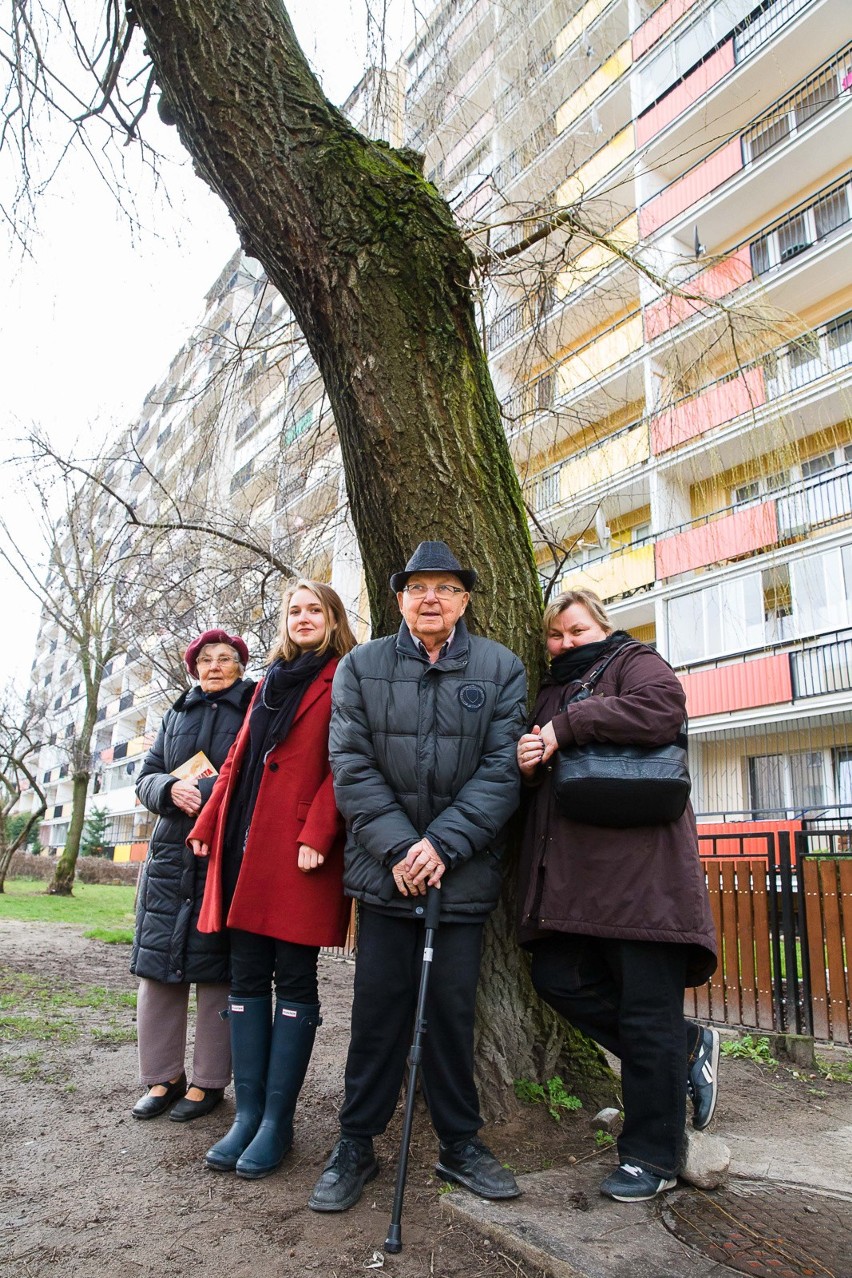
point(587, 598)
point(338, 632)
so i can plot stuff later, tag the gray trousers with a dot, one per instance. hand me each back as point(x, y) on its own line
point(161, 1020)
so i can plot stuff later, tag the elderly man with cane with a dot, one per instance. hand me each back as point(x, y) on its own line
point(423, 733)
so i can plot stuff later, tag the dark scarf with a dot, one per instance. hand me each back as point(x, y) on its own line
point(570, 666)
point(271, 717)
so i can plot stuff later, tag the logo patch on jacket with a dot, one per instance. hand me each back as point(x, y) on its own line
point(472, 696)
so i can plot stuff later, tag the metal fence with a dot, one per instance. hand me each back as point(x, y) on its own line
point(782, 905)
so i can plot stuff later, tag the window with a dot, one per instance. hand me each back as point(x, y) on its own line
point(816, 465)
point(777, 604)
point(747, 493)
point(793, 783)
point(721, 619)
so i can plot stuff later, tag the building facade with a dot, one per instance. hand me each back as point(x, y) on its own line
point(660, 199)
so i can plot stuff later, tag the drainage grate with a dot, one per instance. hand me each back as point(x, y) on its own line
point(762, 1231)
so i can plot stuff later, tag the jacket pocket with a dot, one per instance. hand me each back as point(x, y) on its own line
point(302, 810)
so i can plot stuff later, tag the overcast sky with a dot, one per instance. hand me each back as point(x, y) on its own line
point(94, 310)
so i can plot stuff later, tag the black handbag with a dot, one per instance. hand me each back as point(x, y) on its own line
point(620, 786)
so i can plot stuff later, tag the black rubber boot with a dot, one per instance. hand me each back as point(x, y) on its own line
point(251, 1034)
point(293, 1033)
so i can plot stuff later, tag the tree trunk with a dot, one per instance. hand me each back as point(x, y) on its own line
point(62, 882)
point(367, 255)
point(9, 848)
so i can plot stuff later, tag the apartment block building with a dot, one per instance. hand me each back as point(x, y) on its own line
point(664, 198)
point(661, 202)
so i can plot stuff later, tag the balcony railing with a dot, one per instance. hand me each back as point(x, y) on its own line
point(794, 111)
point(822, 668)
point(815, 502)
point(762, 26)
point(810, 357)
point(800, 230)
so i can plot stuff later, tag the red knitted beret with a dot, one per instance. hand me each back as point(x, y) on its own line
point(213, 636)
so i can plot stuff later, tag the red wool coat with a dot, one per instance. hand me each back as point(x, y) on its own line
point(295, 804)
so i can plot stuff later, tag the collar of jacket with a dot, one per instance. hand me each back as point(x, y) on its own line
point(457, 657)
point(239, 694)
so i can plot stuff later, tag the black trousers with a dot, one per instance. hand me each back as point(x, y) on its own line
point(387, 978)
point(257, 961)
point(628, 996)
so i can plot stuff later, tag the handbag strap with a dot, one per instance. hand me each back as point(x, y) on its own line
point(587, 686)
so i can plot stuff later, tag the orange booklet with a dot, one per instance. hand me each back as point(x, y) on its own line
point(195, 768)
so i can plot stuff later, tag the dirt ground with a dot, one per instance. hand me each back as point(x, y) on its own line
point(86, 1190)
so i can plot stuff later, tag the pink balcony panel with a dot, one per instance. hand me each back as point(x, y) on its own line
point(738, 534)
point(658, 24)
point(692, 187)
point(764, 682)
point(107, 754)
point(695, 294)
point(686, 93)
point(720, 404)
point(138, 851)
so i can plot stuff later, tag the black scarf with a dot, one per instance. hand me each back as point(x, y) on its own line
point(571, 665)
point(271, 717)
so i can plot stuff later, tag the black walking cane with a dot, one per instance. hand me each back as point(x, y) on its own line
point(393, 1242)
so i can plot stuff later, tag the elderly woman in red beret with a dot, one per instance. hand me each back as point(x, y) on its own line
point(169, 952)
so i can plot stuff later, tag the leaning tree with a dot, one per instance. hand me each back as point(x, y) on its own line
point(372, 264)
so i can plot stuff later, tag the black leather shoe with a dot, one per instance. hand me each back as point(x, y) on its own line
point(470, 1163)
point(186, 1110)
point(149, 1106)
point(344, 1176)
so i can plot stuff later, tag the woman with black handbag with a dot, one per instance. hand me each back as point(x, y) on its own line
point(613, 906)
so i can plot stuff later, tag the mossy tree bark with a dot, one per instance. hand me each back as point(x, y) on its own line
point(367, 255)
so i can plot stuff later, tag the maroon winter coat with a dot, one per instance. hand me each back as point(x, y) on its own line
point(295, 804)
point(642, 884)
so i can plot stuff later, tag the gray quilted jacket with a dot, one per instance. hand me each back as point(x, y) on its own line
point(419, 749)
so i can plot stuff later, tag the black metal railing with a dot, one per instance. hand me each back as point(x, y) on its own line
point(822, 669)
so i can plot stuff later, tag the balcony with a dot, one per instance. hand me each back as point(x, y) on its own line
point(723, 688)
point(816, 668)
point(691, 89)
point(695, 295)
point(784, 372)
point(722, 402)
point(767, 131)
point(597, 357)
point(815, 503)
point(612, 574)
point(589, 468)
point(729, 537)
point(656, 26)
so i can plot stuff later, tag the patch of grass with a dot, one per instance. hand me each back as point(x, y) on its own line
point(92, 905)
point(111, 935)
point(446, 1187)
point(114, 1035)
point(835, 1071)
point(552, 1094)
point(749, 1048)
point(55, 1030)
point(28, 1068)
point(603, 1139)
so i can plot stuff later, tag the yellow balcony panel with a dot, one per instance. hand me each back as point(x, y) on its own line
point(599, 464)
point(596, 258)
point(135, 746)
point(122, 852)
point(615, 574)
point(612, 347)
point(575, 28)
point(604, 161)
point(588, 92)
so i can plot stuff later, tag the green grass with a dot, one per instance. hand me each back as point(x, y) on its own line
point(93, 905)
point(111, 935)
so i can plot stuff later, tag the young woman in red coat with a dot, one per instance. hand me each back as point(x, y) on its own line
point(275, 842)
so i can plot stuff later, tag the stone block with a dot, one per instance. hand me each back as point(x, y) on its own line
point(706, 1160)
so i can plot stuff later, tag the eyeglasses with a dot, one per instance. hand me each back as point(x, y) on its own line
point(216, 661)
point(445, 591)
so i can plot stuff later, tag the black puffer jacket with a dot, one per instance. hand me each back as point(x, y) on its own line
point(419, 749)
point(168, 945)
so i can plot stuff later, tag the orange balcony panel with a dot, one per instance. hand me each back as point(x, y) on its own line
point(722, 403)
point(690, 89)
point(754, 847)
point(692, 187)
point(717, 281)
point(138, 851)
point(764, 682)
point(658, 24)
point(737, 534)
